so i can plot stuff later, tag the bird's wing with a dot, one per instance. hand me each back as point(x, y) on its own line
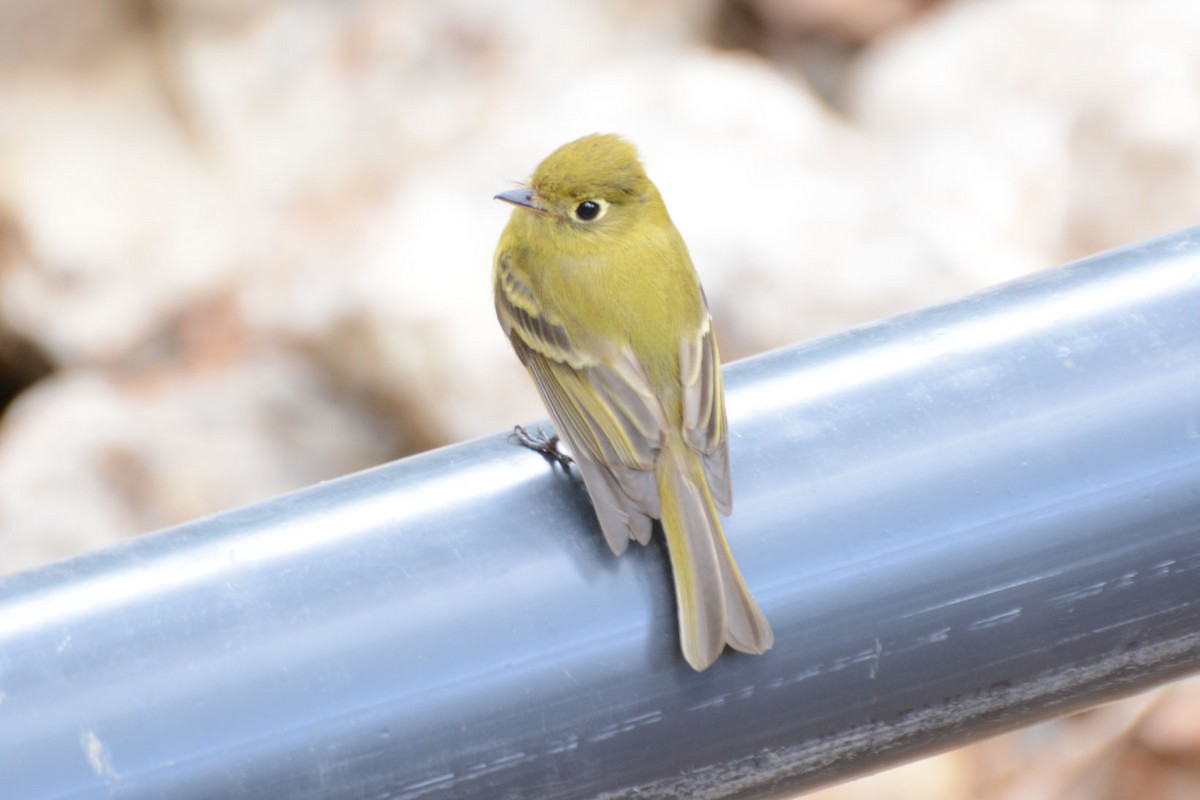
point(606, 410)
point(704, 426)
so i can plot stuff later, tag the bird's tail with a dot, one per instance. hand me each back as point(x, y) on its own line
point(715, 607)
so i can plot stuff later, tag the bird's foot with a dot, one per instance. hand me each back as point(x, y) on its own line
point(543, 443)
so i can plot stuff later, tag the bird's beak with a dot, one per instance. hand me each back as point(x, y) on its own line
point(523, 197)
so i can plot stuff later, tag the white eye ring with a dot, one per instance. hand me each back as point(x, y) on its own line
point(590, 210)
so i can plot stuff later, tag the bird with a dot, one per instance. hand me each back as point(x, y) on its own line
point(596, 291)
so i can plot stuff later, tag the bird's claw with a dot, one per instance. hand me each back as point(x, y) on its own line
point(543, 443)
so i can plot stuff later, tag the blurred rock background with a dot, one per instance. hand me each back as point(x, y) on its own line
point(245, 247)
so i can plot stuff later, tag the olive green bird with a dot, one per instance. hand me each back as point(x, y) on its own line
point(596, 291)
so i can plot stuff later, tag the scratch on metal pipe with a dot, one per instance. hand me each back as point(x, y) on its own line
point(996, 619)
point(1074, 595)
point(429, 783)
point(617, 728)
point(876, 654)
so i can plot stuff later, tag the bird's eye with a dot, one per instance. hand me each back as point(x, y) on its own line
point(590, 210)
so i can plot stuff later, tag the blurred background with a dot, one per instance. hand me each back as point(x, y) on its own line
point(245, 247)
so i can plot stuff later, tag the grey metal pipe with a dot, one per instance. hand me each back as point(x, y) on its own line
point(958, 521)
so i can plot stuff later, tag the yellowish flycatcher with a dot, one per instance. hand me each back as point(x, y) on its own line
point(596, 290)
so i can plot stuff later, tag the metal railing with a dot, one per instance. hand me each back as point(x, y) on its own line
point(958, 521)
